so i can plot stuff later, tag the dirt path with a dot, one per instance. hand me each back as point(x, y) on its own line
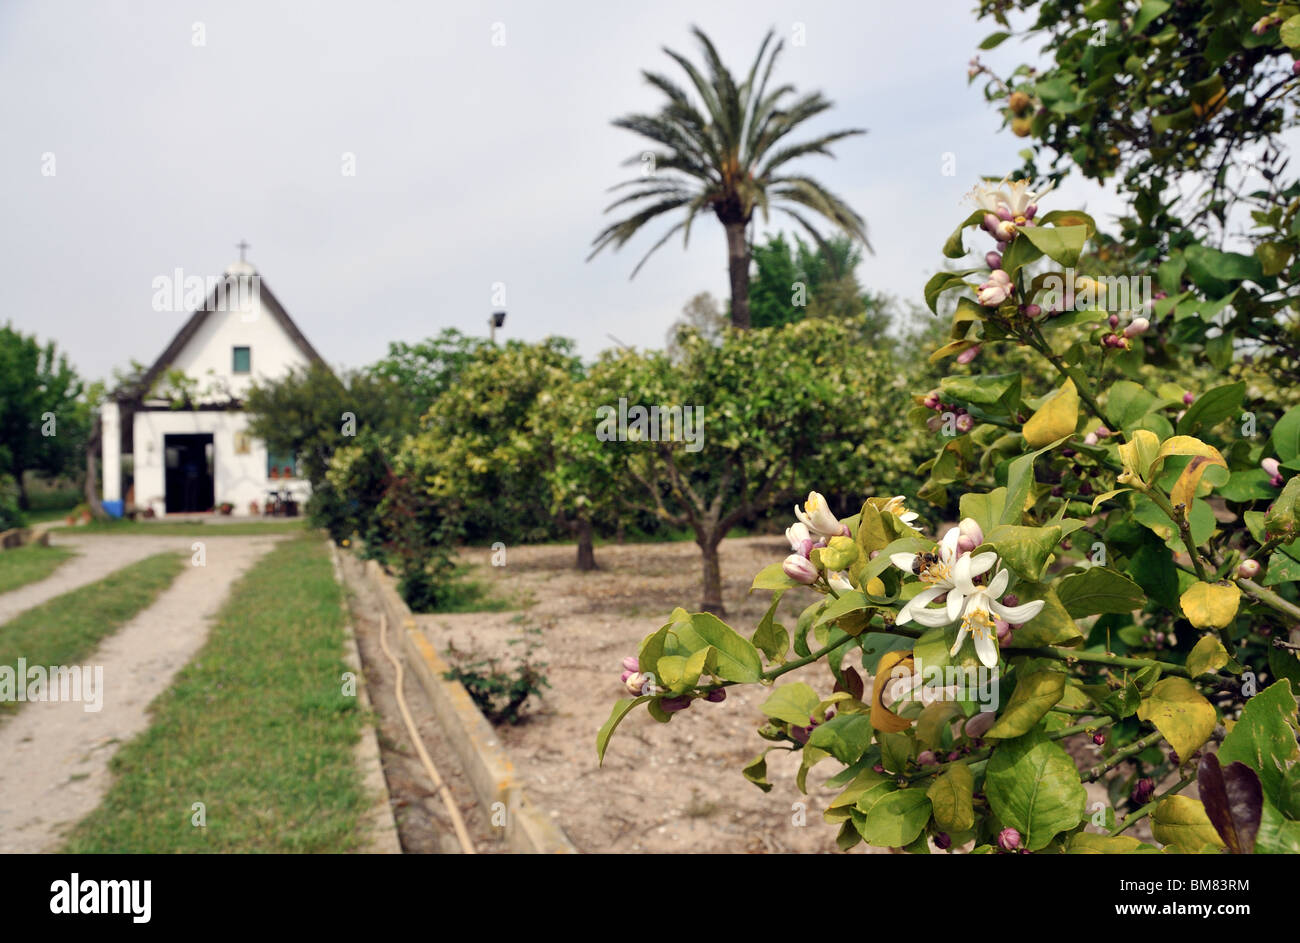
point(97, 556)
point(56, 754)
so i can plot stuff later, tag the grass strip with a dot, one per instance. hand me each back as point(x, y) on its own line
point(256, 728)
point(23, 565)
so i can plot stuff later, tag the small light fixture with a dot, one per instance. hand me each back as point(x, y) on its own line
point(495, 320)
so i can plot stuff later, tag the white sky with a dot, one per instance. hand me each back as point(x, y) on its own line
point(475, 163)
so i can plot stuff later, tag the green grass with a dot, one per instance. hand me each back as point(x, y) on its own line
point(186, 528)
point(66, 629)
point(23, 565)
point(256, 728)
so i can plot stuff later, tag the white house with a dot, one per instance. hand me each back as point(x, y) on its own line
point(197, 458)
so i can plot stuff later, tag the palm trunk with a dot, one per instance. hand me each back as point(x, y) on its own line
point(738, 265)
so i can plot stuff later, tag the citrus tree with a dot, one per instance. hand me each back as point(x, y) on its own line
point(1092, 618)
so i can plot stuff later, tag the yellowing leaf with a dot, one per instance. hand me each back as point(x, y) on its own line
point(1206, 656)
point(1139, 452)
point(1178, 820)
point(1184, 489)
point(1181, 714)
point(882, 718)
point(950, 799)
point(1186, 445)
point(1055, 419)
point(1211, 605)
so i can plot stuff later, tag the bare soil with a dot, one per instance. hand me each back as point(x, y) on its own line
point(672, 788)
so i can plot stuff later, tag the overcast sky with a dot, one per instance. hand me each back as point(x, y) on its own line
point(475, 163)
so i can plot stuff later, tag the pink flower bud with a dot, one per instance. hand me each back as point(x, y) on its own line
point(927, 758)
point(799, 569)
point(1032, 311)
point(931, 400)
point(1295, 67)
point(1031, 210)
point(1137, 326)
point(1002, 247)
point(636, 682)
point(1113, 320)
point(970, 528)
point(993, 260)
point(1188, 398)
point(1006, 231)
point(1099, 738)
point(1271, 466)
point(1004, 212)
point(965, 423)
point(1004, 632)
point(1008, 839)
point(1011, 599)
point(673, 704)
point(979, 725)
point(1102, 432)
point(631, 663)
point(625, 675)
point(969, 354)
point(991, 223)
point(1090, 439)
point(1249, 569)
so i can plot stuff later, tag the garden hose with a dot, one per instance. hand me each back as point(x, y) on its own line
point(462, 834)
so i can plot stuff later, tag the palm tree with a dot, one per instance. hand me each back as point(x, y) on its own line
point(730, 158)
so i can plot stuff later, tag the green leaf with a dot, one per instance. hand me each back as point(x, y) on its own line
point(845, 736)
point(951, 799)
point(1289, 32)
point(1020, 483)
point(953, 247)
point(1212, 407)
point(851, 601)
point(1127, 402)
point(896, 819)
point(996, 392)
point(895, 750)
point(738, 660)
point(756, 771)
point(1286, 433)
point(770, 637)
point(1025, 550)
point(1099, 589)
point(988, 510)
point(1264, 738)
point(793, 703)
point(1033, 786)
point(1215, 272)
point(1147, 13)
point(772, 576)
point(1052, 626)
point(621, 710)
point(1181, 714)
point(1277, 834)
point(993, 40)
point(1062, 243)
point(1036, 693)
point(1207, 655)
point(1090, 843)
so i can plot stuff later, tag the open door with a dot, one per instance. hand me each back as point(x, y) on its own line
point(189, 473)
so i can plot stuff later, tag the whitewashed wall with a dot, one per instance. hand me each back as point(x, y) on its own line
point(239, 479)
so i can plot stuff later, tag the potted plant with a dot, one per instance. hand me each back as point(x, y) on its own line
point(226, 508)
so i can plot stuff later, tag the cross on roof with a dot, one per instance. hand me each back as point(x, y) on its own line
point(241, 246)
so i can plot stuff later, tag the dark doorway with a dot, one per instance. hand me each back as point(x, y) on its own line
point(189, 473)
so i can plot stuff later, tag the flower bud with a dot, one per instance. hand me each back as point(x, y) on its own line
point(1102, 432)
point(1004, 632)
point(1249, 569)
point(965, 423)
point(1113, 320)
point(636, 682)
point(931, 400)
point(1030, 210)
point(1271, 466)
point(1137, 326)
point(625, 675)
point(800, 569)
point(1143, 791)
point(1011, 600)
point(969, 354)
point(632, 663)
point(927, 758)
point(942, 841)
point(979, 725)
point(1032, 311)
point(991, 223)
point(969, 527)
point(1008, 839)
point(1005, 231)
point(993, 260)
point(1004, 212)
point(671, 705)
point(716, 696)
point(1188, 398)
point(1099, 738)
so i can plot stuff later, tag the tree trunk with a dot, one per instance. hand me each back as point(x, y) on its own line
point(20, 477)
point(712, 601)
point(586, 553)
point(738, 264)
point(91, 488)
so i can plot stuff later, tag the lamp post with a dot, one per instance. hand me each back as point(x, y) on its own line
point(495, 320)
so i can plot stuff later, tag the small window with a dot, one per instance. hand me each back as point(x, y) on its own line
point(280, 465)
point(243, 360)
